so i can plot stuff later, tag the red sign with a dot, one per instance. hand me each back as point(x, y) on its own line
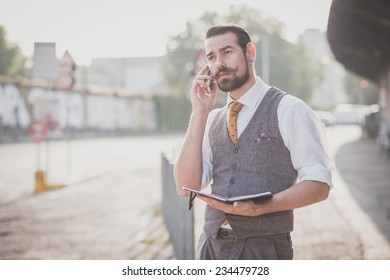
point(67, 60)
point(66, 81)
point(37, 132)
point(66, 77)
point(200, 61)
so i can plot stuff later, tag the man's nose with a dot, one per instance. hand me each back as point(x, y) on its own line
point(219, 63)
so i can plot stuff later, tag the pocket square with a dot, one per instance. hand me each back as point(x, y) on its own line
point(262, 138)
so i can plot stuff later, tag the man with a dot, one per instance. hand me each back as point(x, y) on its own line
point(276, 140)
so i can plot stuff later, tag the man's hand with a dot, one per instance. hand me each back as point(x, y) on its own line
point(301, 194)
point(201, 99)
point(188, 167)
point(242, 208)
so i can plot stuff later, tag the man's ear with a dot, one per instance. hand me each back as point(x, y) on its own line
point(251, 52)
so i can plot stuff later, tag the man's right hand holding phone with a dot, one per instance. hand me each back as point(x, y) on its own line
point(203, 91)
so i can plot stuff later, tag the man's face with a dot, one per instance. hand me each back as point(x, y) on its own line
point(227, 62)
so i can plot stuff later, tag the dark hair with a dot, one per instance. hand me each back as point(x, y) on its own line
point(241, 34)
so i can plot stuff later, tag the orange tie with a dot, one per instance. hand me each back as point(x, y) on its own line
point(235, 108)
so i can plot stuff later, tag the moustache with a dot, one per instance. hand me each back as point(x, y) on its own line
point(225, 70)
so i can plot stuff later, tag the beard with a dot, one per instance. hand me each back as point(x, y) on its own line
point(234, 82)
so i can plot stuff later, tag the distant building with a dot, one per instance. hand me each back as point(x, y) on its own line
point(133, 75)
point(331, 91)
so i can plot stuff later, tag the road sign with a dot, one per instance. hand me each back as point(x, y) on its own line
point(37, 132)
point(66, 77)
point(65, 81)
point(200, 61)
point(67, 60)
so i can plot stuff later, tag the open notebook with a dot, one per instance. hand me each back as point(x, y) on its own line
point(255, 196)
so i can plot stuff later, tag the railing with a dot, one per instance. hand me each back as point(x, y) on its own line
point(178, 219)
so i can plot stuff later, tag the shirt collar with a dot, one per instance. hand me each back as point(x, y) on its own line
point(254, 95)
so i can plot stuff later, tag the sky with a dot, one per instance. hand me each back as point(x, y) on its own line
point(127, 28)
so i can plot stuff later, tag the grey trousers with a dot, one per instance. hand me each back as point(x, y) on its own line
point(226, 247)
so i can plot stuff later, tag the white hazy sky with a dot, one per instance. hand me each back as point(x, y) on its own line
point(126, 28)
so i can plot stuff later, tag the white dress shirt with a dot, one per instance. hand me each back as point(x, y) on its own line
point(302, 132)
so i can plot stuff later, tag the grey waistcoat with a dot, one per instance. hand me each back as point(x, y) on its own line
point(258, 162)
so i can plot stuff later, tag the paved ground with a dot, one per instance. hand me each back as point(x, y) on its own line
point(107, 217)
point(100, 218)
point(354, 223)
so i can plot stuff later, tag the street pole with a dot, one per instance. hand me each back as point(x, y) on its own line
point(265, 66)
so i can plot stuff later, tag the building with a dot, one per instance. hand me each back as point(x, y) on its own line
point(133, 75)
point(359, 36)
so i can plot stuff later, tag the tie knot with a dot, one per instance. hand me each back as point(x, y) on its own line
point(236, 106)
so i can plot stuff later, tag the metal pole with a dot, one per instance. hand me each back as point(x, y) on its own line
point(47, 158)
point(40, 177)
point(38, 150)
point(265, 67)
point(68, 135)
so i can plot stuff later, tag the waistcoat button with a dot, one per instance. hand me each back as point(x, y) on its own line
point(235, 150)
point(234, 166)
point(232, 181)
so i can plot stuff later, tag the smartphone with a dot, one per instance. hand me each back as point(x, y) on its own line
point(210, 83)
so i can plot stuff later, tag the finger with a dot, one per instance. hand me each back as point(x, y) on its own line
point(200, 84)
point(208, 84)
point(223, 206)
point(202, 76)
point(203, 70)
point(211, 201)
point(204, 198)
point(208, 89)
point(204, 81)
point(213, 90)
point(198, 90)
point(242, 204)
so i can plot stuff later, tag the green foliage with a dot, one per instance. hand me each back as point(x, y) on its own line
point(12, 62)
point(305, 75)
point(172, 113)
point(290, 68)
point(182, 51)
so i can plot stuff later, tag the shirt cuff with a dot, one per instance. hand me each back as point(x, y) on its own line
point(316, 173)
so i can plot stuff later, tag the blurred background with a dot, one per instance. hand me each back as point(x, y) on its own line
point(94, 106)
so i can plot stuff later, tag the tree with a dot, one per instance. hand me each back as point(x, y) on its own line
point(290, 67)
point(12, 62)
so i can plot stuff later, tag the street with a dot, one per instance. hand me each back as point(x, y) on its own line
point(66, 162)
point(109, 205)
point(109, 210)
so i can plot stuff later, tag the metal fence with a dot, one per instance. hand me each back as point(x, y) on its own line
point(178, 219)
